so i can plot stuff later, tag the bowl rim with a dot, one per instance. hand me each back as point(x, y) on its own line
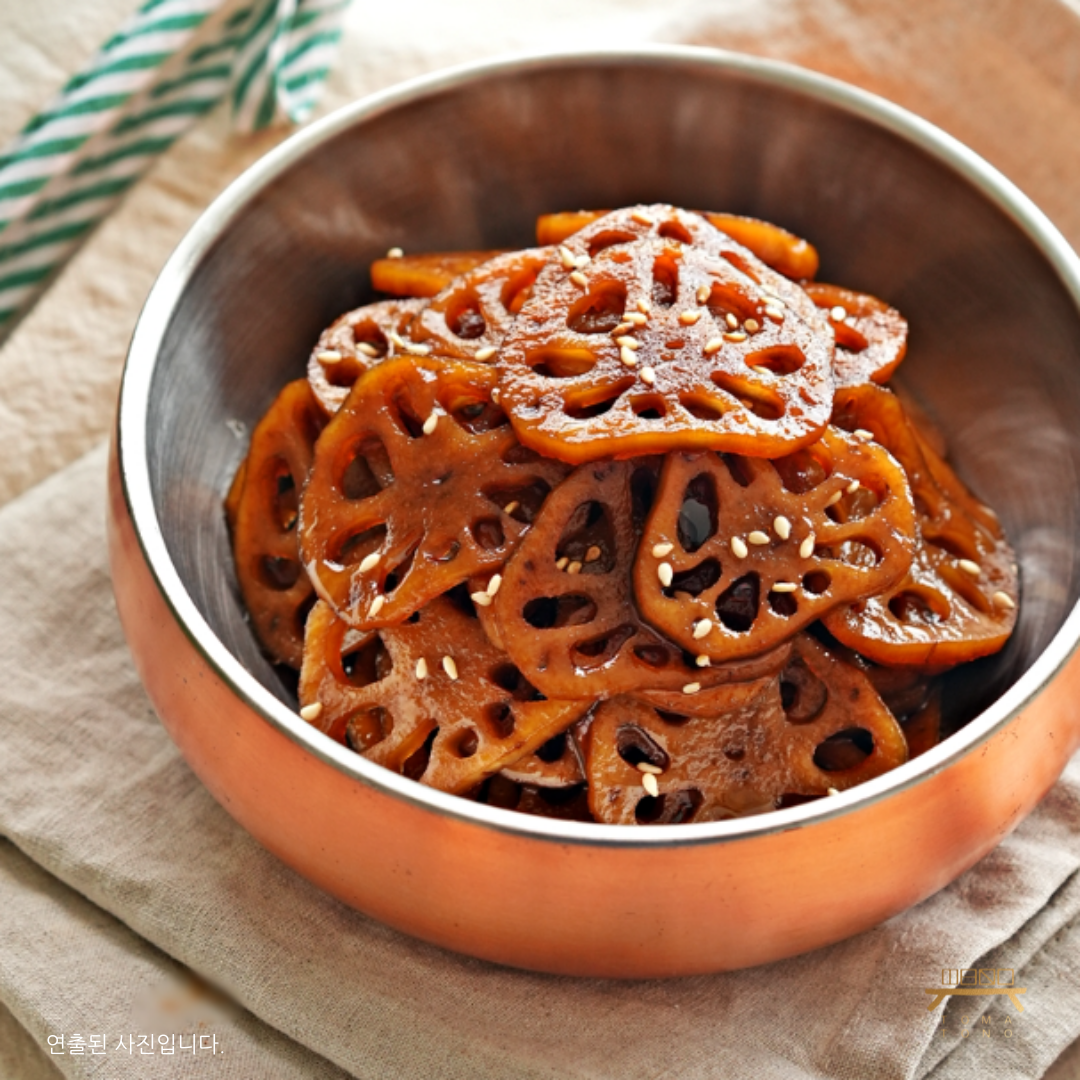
point(162, 301)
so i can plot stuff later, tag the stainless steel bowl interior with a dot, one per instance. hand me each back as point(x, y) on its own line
point(469, 160)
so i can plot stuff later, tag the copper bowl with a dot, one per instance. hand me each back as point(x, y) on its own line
point(467, 159)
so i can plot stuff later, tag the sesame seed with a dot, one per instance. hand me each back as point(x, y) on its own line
point(833, 791)
point(649, 767)
point(838, 313)
point(486, 353)
point(621, 328)
point(702, 628)
point(863, 434)
point(329, 356)
point(493, 584)
point(376, 606)
point(421, 668)
point(751, 326)
point(969, 567)
point(593, 554)
point(713, 345)
point(665, 574)
point(628, 342)
point(495, 395)
point(760, 370)
point(450, 667)
point(367, 349)
point(637, 318)
point(561, 564)
point(688, 318)
point(644, 306)
point(834, 498)
point(852, 487)
point(806, 548)
point(782, 526)
point(430, 423)
point(369, 562)
point(703, 661)
point(582, 261)
point(784, 586)
point(731, 320)
point(395, 253)
point(735, 336)
point(691, 688)
point(1004, 600)
point(511, 506)
point(579, 279)
point(312, 712)
point(642, 218)
point(775, 313)
point(758, 537)
point(416, 350)
point(574, 567)
point(395, 339)
point(566, 257)
point(738, 548)
point(660, 550)
point(627, 356)
point(702, 294)
point(648, 376)
point(648, 782)
point(481, 599)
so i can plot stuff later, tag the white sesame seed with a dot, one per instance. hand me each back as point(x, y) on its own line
point(574, 567)
point(648, 782)
point(775, 313)
point(566, 257)
point(369, 562)
point(751, 326)
point(660, 550)
point(417, 350)
point(649, 767)
point(806, 548)
point(702, 628)
point(582, 261)
point(838, 313)
point(833, 791)
point(622, 328)
point(485, 353)
point(863, 435)
point(593, 554)
point(395, 339)
point(702, 294)
point(430, 423)
point(758, 537)
point(642, 218)
point(1003, 599)
point(760, 370)
point(561, 564)
point(665, 574)
point(853, 487)
point(782, 526)
point(636, 318)
point(731, 320)
point(784, 586)
point(493, 584)
point(329, 356)
point(495, 395)
point(834, 498)
point(450, 667)
point(703, 661)
point(688, 318)
point(511, 506)
point(735, 336)
point(738, 548)
point(421, 668)
point(691, 688)
point(969, 567)
point(579, 279)
point(376, 606)
point(481, 599)
point(644, 306)
point(628, 342)
point(627, 356)
point(395, 253)
point(713, 345)
point(312, 712)
point(648, 376)
point(367, 349)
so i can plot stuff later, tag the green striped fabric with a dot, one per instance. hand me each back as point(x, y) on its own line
point(170, 64)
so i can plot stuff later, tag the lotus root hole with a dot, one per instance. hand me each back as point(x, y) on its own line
point(464, 318)
point(959, 547)
point(416, 763)
point(665, 280)
point(589, 539)
point(804, 470)
point(847, 749)
point(966, 588)
point(467, 743)
point(695, 581)
point(648, 406)
point(727, 300)
point(734, 753)
point(553, 613)
point(817, 582)
point(516, 454)
point(862, 552)
point(674, 230)
point(848, 337)
point(673, 718)
point(783, 604)
point(345, 372)
point(524, 500)
point(475, 416)
point(802, 694)
point(509, 678)
point(561, 362)
point(636, 746)
point(367, 728)
point(700, 407)
point(286, 497)
point(698, 513)
point(601, 649)
point(397, 575)
point(404, 415)
point(583, 405)
point(737, 605)
point(354, 549)
point(854, 506)
point(368, 333)
point(367, 470)
point(653, 656)
point(278, 572)
point(600, 310)
point(500, 718)
point(929, 608)
point(740, 264)
point(553, 749)
point(604, 240)
point(762, 401)
point(488, 533)
point(670, 808)
point(780, 359)
point(642, 496)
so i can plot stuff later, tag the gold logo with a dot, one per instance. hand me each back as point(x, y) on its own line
point(977, 982)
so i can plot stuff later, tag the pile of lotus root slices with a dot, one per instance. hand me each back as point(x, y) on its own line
point(624, 527)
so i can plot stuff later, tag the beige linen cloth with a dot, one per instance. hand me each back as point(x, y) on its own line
point(125, 890)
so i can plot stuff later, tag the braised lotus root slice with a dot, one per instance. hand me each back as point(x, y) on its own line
point(565, 608)
point(871, 336)
point(786, 253)
point(958, 600)
point(470, 317)
point(359, 340)
point(556, 764)
point(430, 698)
point(418, 484)
point(817, 726)
point(276, 591)
point(739, 553)
point(424, 275)
point(657, 345)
